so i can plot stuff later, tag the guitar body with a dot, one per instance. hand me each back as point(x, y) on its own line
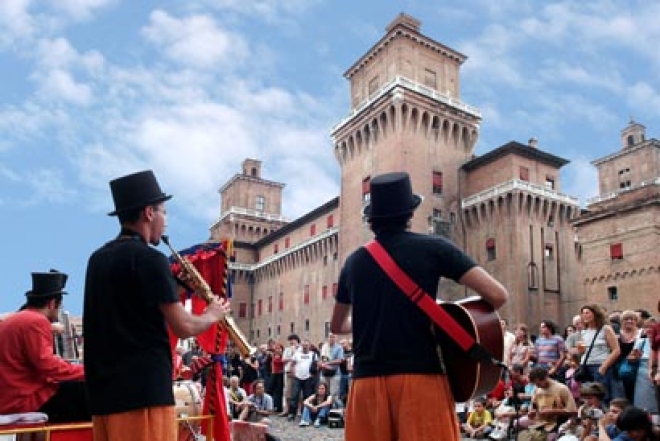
point(469, 378)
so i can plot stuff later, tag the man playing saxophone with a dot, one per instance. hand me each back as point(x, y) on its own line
point(130, 298)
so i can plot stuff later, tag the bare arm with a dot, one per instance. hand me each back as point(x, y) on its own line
point(185, 324)
point(615, 350)
point(339, 323)
point(486, 286)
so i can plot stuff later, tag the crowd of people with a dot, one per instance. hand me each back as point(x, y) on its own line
point(589, 381)
point(597, 379)
point(301, 382)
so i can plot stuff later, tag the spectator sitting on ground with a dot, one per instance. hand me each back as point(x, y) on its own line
point(259, 404)
point(504, 415)
point(634, 424)
point(479, 420)
point(609, 419)
point(317, 406)
point(237, 397)
point(584, 424)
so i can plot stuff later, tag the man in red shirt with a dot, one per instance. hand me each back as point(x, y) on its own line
point(32, 378)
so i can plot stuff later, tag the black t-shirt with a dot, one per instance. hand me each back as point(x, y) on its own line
point(128, 360)
point(391, 335)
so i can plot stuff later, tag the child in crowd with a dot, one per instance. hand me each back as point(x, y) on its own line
point(479, 420)
point(572, 383)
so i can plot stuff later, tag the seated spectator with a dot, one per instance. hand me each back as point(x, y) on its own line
point(552, 404)
point(237, 397)
point(495, 397)
point(479, 421)
point(609, 419)
point(259, 404)
point(317, 406)
point(634, 425)
point(504, 415)
point(585, 425)
point(572, 383)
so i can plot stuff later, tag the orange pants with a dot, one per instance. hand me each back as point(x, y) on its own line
point(407, 407)
point(146, 424)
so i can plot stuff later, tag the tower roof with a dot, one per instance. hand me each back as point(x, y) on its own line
point(515, 148)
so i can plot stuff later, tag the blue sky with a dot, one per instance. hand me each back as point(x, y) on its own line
point(95, 89)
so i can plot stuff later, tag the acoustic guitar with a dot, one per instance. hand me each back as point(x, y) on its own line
point(468, 376)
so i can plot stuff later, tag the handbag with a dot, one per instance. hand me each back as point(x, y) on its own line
point(627, 369)
point(582, 373)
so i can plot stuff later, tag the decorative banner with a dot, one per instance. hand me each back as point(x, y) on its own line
point(210, 260)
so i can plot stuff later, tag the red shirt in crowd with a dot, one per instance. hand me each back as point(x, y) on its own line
point(29, 371)
point(277, 365)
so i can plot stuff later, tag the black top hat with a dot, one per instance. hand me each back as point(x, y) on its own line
point(391, 196)
point(136, 191)
point(47, 284)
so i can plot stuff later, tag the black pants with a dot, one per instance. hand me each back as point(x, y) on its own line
point(69, 404)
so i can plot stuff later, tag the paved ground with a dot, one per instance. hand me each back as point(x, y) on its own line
point(289, 431)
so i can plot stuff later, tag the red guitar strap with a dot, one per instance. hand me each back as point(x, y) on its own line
point(425, 302)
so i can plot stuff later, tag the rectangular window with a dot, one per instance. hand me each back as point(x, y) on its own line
point(616, 251)
point(549, 182)
point(366, 189)
point(549, 252)
point(524, 174)
point(280, 302)
point(287, 242)
point(324, 292)
point(331, 221)
point(242, 310)
point(334, 289)
point(292, 327)
point(307, 325)
point(491, 250)
point(373, 85)
point(325, 260)
point(259, 306)
point(279, 330)
point(437, 182)
point(312, 230)
point(270, 304)
point(276, 248)
point(261, 203)
point(326, 329)
point(430, 78)
point(612, 293)
point(306, 295)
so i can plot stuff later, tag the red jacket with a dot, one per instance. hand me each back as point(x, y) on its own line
point(29, 371)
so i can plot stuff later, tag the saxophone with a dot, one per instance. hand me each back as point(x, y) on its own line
point(203, 289)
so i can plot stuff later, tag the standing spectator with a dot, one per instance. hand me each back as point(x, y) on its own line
point(276, 387)
point(332, 355)
point(130, 298)
point(522, 350)
point(303, 381)
point(644, 391)
point(345, 369)
point(317, 406)
point(549, 349)
point(654, 359)
point(509, 340)
point(572, 339)
point(287, 356)
point(250, 372)
point(628, 335)
point(605, 350)
point(194, 351)
point(398, 391)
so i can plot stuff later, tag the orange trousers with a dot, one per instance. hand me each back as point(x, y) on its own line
point(407, 407)
point(146, 424)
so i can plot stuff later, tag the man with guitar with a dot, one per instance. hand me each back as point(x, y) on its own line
point(399, 391)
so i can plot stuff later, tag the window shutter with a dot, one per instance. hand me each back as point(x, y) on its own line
point(490, 243)
point(616, 251)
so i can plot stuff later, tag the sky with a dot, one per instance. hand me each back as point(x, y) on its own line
point(95, 89)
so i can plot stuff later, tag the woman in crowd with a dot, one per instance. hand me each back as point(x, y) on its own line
point(644, 391)
point(628, 336)
point(522, 349)
point(276, 387)
point(634, 424)
point(605, 350)
point(317, 406)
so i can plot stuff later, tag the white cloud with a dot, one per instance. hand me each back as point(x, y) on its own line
point(15, 21)
point(59, 85)
point(195, 41)
point(80, 9)
point(580, 179)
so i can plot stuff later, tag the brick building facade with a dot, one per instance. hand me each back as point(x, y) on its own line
point(505, 207)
